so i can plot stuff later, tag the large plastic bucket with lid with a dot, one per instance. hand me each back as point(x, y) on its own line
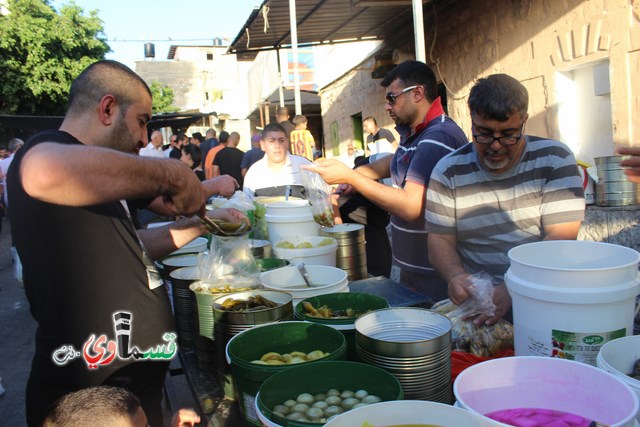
point(570, 297)
point(282, 337)
point(548, 384)
point(618, 357)
point(280, 227)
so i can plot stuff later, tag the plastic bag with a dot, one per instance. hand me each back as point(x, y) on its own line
point(229, 264)
point(320, 196)
point(239, 201)
point(483, 341)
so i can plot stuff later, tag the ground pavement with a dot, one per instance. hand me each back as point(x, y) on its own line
point(17, 329)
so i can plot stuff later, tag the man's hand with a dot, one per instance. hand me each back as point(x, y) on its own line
point(184, 194)
point(502, 300)
point(223, 185)
point(228, 214)
point(459, 288)
point(632, 164)
point(331, 170)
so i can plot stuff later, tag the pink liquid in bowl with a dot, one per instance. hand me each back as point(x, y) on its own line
point(528, 417)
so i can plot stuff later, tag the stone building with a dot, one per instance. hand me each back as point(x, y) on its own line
point(579, 59)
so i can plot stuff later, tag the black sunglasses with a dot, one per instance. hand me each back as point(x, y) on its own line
point(391, 98)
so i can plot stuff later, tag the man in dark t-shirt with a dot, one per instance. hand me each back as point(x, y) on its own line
point(229, 159)
point(103, 313)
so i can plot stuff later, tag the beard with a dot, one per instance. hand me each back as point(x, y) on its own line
point(495, 164)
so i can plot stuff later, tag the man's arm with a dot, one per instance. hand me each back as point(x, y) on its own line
point(445, 259)
point(78, 175)
point(563, 231)
point(161, 241)
point(216, 171)
point(406, 203)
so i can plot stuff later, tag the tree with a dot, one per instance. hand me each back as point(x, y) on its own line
point(162, 96)
point(42, 51)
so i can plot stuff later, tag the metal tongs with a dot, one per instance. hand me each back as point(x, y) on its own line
point(214, 228)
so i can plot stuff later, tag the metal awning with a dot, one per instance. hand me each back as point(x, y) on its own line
point(320, 22)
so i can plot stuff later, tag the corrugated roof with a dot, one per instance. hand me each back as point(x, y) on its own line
point(319, 22)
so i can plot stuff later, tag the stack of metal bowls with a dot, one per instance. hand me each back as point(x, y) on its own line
point(179, 276)
point(351, 255)
point(205, 294)
point(228, 323)
point(414, 345)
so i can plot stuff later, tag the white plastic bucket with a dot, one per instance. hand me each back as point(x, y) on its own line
point(408, 412)
point(282, 227)
point(570, 297)
point(316, 255)
point(546, 383)
point(618, 357)
point(288, 279)
point(289, 208)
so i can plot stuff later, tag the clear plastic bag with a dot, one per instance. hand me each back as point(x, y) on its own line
point(484, 341)
point(320, 196)
point(229, 264)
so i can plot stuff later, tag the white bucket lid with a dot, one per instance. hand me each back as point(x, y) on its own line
point(589, 295)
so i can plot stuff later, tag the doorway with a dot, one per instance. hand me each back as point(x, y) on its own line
point(358, 132)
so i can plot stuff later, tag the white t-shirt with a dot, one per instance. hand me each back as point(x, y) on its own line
point(260, 175)
point(4, 168)
point(151, 151)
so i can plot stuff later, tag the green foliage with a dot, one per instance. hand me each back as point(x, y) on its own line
point(162, 98)
point(42, 51)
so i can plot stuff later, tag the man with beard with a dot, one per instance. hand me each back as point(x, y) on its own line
point(426, 135)
point(85, 267)
point(503, 190)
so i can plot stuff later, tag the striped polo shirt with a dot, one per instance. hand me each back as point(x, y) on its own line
point(491, 213)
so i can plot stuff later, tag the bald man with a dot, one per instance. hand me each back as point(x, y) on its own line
point(154, 147)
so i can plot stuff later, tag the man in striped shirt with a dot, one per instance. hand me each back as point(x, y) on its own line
point(503, 190)
point(426, 135)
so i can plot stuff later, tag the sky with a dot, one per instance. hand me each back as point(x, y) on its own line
point(129, 24)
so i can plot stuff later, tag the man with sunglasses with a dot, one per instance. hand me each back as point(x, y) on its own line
point(503, 190)
point(426, 135)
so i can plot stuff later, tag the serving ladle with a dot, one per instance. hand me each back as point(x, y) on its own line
point(305, 274)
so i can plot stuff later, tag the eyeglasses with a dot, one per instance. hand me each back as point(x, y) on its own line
point(391, 98)
point(486, 139)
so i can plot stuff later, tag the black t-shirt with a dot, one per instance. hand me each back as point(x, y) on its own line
point(229, 160)
point(81, 265)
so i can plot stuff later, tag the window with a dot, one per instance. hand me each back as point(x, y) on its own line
point(209, 56)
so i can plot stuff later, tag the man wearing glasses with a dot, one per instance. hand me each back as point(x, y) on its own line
point(426, 135)
point(503, 190)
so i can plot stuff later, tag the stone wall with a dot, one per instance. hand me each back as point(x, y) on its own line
point(531, 40)
point(618, 225)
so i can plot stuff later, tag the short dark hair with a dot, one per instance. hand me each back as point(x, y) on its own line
point(272, 127)
point(95, 406)
point(195, 152)
point(101, 78)
point(497, 97)
point(282, 111)
point(414, 73)
point(224, 137)
point(198, 136)
point(181, 137)
point(299, 119)
point(372, 119)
